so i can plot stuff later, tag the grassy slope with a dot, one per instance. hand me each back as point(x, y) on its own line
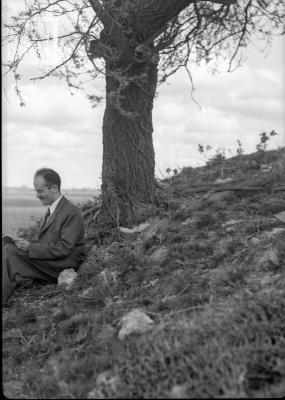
point(215, 291)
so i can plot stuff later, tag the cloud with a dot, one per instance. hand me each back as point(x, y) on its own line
point(78, 157)
point(65, 133)
point(235, 106)
point(52, 105)
point(55, 130)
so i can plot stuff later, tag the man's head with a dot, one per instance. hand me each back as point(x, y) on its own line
point(47, 185)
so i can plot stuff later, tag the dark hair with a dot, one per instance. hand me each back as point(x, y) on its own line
point(50, 176)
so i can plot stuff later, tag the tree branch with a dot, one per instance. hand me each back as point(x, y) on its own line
point(166, 11)
point(111, 27)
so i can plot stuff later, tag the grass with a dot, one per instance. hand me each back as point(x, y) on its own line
point(216, 297)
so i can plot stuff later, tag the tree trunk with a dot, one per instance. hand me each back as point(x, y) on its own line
point(128, 155)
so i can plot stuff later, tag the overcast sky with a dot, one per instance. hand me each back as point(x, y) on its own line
point(64, 132)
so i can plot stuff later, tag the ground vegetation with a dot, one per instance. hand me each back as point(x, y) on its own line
point(205, 265)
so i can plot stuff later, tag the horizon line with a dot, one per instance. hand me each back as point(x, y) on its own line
point(62, 188)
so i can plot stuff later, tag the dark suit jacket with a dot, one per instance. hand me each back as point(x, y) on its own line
point(61, 239)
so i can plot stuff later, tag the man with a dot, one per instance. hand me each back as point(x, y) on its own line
point(60, 238)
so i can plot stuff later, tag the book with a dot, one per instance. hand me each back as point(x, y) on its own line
point(7, 239)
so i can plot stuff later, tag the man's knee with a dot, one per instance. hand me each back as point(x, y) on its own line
point(8, 249)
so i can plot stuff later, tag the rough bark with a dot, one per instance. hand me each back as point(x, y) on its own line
point(128, 154)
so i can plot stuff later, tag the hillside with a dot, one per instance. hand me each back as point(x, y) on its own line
point(188, 304)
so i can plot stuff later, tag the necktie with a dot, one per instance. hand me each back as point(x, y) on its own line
point(47, 216)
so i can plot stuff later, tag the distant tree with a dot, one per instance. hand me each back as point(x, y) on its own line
point(136, 44)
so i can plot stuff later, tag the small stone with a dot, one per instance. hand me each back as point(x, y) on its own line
point(13, 389)
point(107, 379)
point(280, 216)
point(266, 167)
point(87, 293)
point(266, 280)
point(274, 232)
point(136, 321)
point(233, 222)
point(159, 255)
point(254, 240)
point(95, 394)
point(67, 277)
point(188, 221)
point(178, 392)
point(135, 229)
point(104, 382)
point(226, 180)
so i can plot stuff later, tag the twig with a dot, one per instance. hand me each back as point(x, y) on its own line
point(234, 188)
point(183, 290)
point(90, 210)
point(93, 216)
point(228, 188)
point(184, 310)
point(278, 189)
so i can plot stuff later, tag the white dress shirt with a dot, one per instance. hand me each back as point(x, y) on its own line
point(52, 207)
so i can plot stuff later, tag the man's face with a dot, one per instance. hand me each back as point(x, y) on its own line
point(46, 194)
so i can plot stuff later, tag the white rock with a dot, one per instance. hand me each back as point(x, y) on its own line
point(104, 381)
point(266, 167)
point(226, 180)
point(275, 231)
point(67, 277)
point(254, 240)
point(136, 321)
point(232, 222)
point(150, 283)
point(178, 392)
point(187, 221)
point(135, 229)
point(106, 378)
point(280, 216)
point(94, 394)
point(159, 255)
point(87, 293)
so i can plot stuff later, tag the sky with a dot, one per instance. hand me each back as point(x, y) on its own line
point(63, 132)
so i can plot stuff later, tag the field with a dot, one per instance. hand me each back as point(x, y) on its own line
point(15, 217)
point(20, 207)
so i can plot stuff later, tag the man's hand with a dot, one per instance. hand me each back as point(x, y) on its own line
point(22, 244)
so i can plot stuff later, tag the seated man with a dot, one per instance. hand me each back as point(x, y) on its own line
point(60, 238)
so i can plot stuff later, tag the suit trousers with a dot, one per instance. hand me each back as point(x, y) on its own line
point(16, 262)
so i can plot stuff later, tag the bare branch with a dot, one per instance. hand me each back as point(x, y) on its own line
point(127, 32)
point(110, 25)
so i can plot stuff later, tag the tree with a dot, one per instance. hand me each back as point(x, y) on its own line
point(136, 44)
